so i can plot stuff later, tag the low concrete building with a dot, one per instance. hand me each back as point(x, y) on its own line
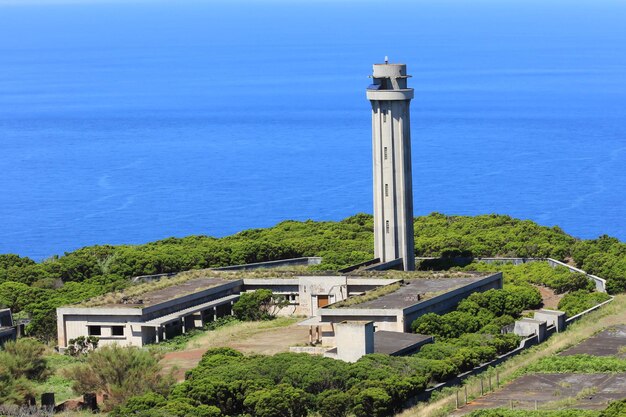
point(552, 318)
point(395, 311)
point(527, 327)
point(168, 306)
point(151, 316)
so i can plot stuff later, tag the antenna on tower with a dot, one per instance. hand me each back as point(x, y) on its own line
point(386, 59)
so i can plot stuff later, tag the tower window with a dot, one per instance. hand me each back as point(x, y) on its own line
point(387, 226)
point(384, 116)
point(386, 190)
point(385, 153)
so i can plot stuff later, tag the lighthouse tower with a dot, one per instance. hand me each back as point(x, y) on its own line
point(391, 149)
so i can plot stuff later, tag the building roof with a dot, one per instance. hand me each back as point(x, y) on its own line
point(149, 294)
point(414, 291)
point(396, 343)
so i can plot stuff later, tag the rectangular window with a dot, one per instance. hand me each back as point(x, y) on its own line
point(386, 190)
point(384, 116)
point(94, 330)
point(387, 226)
point(117, 330)
point(385, 153)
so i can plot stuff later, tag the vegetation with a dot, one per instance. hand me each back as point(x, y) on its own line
point(81, 345)
point(578, 364)
point(485, 312)
point(120, 373)
point(21, 363)
point(559, 278)
point(579, 301)
point(291, 384)
point(368, 296)
point(258, 305)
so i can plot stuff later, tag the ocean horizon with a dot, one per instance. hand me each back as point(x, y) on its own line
point(129, 122)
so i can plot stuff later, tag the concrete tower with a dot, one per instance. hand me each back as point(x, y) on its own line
point(391, 149)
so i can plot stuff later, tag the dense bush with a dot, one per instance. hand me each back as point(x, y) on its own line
point(615, 409)
point(559, 278)
point(605, 257)
point(258, 305)
point(21, 362)
point(579, 301)
point(485, 312)
point(120, 373)
point(295, 384)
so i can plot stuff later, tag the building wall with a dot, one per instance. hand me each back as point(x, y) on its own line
point(78, 325)
point(312, 289)
point(381, 320)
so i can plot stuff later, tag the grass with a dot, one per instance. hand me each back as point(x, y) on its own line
point(61, 386)
point(368, 296)
point(233, 332)
point(611, 314)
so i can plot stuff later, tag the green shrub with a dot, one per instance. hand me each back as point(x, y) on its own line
point(579, 301)
point(24, 358)
point(258, 305)
point(578, 364)
point(120, 373)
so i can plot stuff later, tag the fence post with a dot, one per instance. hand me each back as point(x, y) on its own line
point(536, 407)
point(490, 387)
point(457, 399)
point(465, 394)
point(482, 388)
point(497, 378)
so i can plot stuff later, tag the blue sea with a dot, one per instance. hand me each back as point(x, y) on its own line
point(131, 121)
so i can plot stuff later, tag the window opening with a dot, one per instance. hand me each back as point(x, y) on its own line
point(94, 330)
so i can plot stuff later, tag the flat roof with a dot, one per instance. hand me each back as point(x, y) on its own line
point(416, 290)
point(393, 342)
point(150, 297)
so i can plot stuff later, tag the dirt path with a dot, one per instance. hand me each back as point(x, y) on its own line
point(549, 297)
point(245, 337)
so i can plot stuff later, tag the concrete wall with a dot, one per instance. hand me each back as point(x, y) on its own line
point(311, 288)
point(78, 325)
point(382, 320)
point(354, 339)
point(552, 318)
point(528, 327)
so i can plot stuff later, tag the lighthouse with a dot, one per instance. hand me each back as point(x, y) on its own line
point(391, 150)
